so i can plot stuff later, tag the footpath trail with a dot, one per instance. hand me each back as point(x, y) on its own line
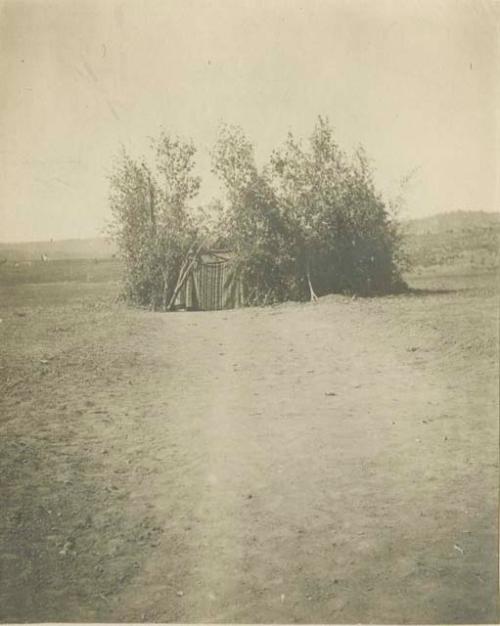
point(332, 463)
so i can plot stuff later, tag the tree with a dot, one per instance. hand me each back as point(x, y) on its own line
point(250, 222)
point(344, 238)
point(152, 221)
point(306, 184)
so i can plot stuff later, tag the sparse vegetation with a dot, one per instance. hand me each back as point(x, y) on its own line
point(130, 445)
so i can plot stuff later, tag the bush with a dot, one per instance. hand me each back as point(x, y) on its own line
point(309, 223)
point(152, 223)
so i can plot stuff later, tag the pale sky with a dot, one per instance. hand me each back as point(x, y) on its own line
point(415, 82)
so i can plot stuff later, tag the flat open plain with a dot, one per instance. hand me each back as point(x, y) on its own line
point(335, 462)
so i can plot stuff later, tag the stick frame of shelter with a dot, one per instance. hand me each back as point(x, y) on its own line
point(184, 273)
point(314, 297)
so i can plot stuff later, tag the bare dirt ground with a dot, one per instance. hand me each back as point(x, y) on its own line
point(319, 463)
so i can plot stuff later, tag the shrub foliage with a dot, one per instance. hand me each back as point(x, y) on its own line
point(310, 222)
point(152, 224)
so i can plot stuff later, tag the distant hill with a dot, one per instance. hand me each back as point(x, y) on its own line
point(465, 238)
point(456, 220)
point(97, 248)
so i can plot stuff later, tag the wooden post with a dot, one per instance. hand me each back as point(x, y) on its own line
point(314, 297)
point(184, 273)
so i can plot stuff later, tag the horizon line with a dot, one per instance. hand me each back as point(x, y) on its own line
point(109, 238)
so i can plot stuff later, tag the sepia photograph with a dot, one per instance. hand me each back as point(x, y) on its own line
point(249, 311)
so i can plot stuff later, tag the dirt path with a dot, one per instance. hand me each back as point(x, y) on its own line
point(335, 463)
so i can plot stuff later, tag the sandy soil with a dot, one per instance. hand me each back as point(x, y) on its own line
point(319, 463)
